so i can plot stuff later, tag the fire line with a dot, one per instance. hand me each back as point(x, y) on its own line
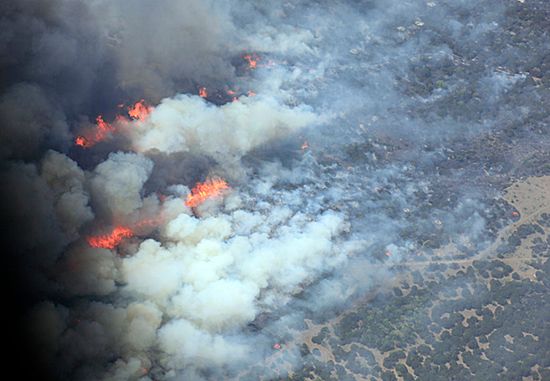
point(203, 191)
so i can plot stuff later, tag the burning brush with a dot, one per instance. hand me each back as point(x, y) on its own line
point(211, 188)
point(103, 130)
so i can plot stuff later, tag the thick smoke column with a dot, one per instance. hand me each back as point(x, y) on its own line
point(188, 123)
point(331, 145)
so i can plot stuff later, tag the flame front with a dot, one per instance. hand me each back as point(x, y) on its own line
point(81, 141)
point(103, 130)
point(112, 240)
point(203, 191)
point(140, 110)
point(252, 60)
point(233, 95)
point(203, 93)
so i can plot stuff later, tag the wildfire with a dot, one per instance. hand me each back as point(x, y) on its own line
point(252, 60)
point(140, 110)
point(148, 222)
point(202, 92)
point(102, 126)
point(112, 240)
point(81, 141)
point(305, 145)
point(203, 191)
point(102, 130)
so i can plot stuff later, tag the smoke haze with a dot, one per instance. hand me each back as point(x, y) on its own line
point(352, 135)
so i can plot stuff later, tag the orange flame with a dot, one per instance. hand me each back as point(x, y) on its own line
point(102, 126)
point(140, 110)
point(252, 60)
point(102, 131)
point(202, 92)
point(203, 191)
point(112, 240)
point(233, 94)
point(305, 145)
point(148, 222)
point(81, 141)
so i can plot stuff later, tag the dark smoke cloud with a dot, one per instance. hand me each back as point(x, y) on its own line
point(385, 93)
point(85, 56)
point(30, 121)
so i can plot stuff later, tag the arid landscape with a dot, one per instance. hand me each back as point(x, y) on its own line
point(351, 190)
point(449, 318)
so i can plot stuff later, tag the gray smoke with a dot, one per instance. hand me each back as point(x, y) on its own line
point(338, 168)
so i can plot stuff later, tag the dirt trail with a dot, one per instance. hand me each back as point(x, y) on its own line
point(531, 197)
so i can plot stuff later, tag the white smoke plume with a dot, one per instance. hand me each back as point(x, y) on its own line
point(189, 124)
point(202, 293)
point(184, 298)
point(117, 182)
point(181, 299)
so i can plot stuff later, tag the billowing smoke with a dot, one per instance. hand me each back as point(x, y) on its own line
point(189, 124)
point(117, 182)
point(328, 122)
